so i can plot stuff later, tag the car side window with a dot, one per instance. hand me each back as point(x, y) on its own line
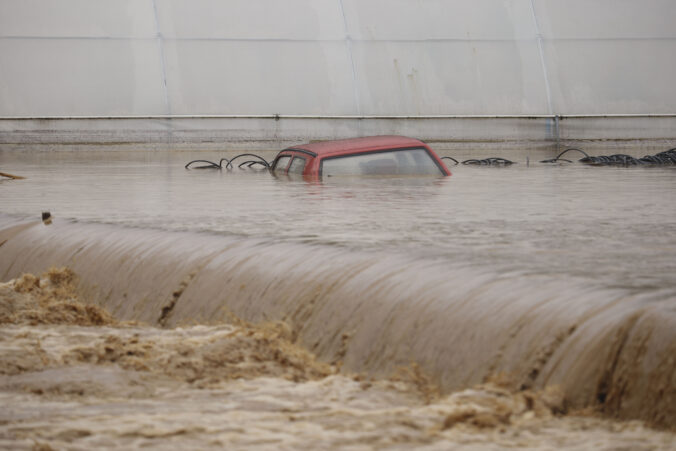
point(281, 164)
point(386, 162)
point(297, 165)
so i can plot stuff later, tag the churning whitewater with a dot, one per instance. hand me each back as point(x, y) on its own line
point(75, 377)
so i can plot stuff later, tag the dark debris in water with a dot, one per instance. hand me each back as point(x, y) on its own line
point(665, 158)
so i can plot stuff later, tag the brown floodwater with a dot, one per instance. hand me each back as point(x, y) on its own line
point(528, 306)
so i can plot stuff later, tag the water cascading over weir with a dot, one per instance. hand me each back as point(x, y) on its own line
point(376, 312)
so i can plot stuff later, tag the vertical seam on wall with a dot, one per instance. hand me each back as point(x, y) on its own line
point(160, 45)
point(348, 43)
point(538, 39)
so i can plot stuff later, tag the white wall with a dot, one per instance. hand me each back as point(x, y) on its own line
point(610, 56)
point(336, 57)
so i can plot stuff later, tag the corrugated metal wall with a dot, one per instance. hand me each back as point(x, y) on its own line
point(336, 57)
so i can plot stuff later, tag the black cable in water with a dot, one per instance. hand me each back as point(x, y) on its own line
point(228, 163)
point(558, 157)
point(450, 158)
point(493, 161)
point(260, 160)
point(252, 163)
point(667, 157)
point(209, 165)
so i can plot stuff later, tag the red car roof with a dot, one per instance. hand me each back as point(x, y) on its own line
point(358, 144)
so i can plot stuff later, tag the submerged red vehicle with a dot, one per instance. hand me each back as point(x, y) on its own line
point(373, 155)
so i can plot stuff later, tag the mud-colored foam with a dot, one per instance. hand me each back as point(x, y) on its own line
point(220, 353)
point(49, 299)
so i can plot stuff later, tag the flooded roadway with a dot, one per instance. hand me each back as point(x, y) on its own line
point(555, 276)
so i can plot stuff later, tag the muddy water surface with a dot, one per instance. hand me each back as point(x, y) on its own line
point(612, 224)
point(561, 277)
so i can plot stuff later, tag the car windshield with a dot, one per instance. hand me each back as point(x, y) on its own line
point(387, 162)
